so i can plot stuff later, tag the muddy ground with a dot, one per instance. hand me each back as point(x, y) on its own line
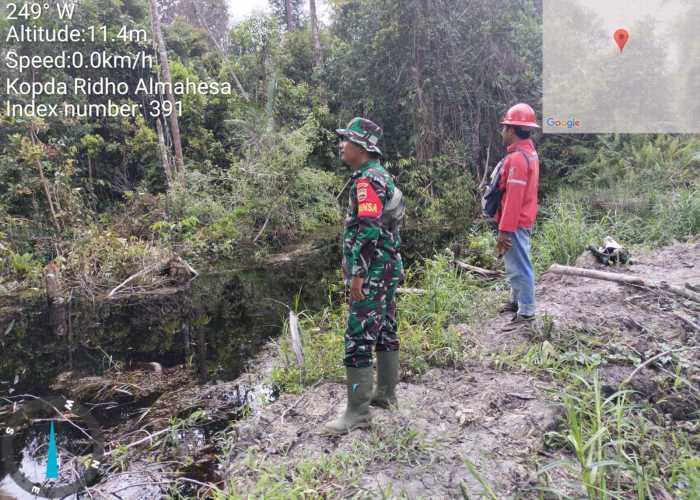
point(492, 416)
point(497, 418)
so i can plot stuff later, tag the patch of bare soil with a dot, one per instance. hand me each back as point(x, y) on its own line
point(493, 418)
point(636, 313)
point(497, 419)
point(635, 324)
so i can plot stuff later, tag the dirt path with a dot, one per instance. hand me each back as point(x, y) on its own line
point(494, 418)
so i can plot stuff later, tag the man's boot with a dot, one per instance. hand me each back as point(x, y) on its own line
point(387, 377)
point(509, 307)
point(359, 382)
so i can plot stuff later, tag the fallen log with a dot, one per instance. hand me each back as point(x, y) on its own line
point(680, 291)
point(478, 270)
point(599, 275)
point(624, 279)
point(410, 291)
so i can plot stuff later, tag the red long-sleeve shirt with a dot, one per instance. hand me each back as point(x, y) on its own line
point(520, 181)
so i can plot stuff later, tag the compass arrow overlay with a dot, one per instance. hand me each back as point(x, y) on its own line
point(52, 460)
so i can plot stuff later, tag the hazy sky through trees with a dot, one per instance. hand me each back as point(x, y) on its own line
point(240, 9)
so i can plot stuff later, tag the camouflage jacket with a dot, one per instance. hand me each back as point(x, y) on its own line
point(364, 234)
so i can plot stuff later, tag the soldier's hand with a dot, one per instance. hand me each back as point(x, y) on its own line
point(356, 288)
point(503, 243)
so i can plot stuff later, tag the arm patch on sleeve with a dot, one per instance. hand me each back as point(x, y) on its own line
point(368, 202)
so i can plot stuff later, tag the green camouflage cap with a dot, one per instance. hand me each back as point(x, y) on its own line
point(364, 133)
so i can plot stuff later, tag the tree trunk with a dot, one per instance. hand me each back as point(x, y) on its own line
point(223, 49)
point(625, 279)
point(244, 94)
point(163, 56)
point(288, 12)
point(45, 184)
point(475, 137)
point(315, 39)
point(424, 104)
point(91, 181)
point(164, 153)
point(270, 91)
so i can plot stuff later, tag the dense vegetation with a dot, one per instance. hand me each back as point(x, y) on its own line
point(260, 165)
point(261, 172)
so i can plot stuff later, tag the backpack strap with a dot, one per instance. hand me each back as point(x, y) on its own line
point(527, 158)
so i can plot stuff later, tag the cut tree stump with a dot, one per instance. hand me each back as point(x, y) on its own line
point(55, 295)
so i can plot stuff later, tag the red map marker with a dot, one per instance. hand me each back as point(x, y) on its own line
point(621, 36)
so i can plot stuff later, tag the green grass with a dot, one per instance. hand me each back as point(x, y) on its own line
point(565, 230)
point(610, 446)
point(423, 322)
point(642, 191)
point(614, 448)
point(569, 224)
point(328, 475)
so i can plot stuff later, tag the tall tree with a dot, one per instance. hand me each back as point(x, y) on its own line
point(437, 74)
point(289, 12)
point(315, 39)
point(165, 66)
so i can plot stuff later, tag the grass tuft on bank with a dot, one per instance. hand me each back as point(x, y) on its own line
point(424, 323)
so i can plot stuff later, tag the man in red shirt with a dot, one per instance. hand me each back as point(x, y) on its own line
point(519, 183)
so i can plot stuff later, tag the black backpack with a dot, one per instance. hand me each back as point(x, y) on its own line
point(492, 195)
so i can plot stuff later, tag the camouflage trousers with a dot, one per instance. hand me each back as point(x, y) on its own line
point(372, 321)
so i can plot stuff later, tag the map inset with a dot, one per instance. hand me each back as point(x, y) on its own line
point(621, 66)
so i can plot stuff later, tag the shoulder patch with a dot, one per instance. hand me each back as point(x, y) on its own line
point(376, 175)
point(368, 202)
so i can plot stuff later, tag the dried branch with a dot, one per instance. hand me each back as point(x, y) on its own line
point(479, 270)
point(654, 358)
point(158, 265)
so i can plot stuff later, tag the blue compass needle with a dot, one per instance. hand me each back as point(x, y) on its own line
point(52, 460)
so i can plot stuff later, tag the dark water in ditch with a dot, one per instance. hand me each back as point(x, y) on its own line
point(215, 325)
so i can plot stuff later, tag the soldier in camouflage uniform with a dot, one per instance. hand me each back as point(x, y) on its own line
point(372, 266)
